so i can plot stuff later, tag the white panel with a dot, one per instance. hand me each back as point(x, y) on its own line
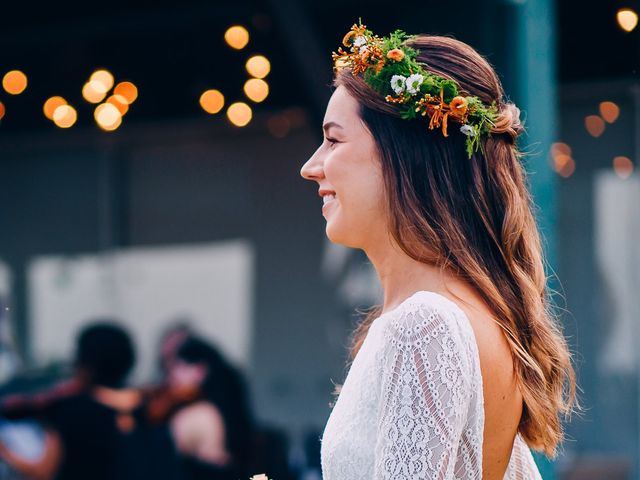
point(617, 237)
point(147, 288)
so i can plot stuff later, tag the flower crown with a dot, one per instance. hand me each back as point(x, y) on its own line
point(390, 67)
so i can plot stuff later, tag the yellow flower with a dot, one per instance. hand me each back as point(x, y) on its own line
point(396, 54)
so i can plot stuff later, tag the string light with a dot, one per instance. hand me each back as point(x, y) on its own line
point(627, 19)
point(563, 163)
point(623, 166)
point(93, 91)
point(14, 82)
point(258, 66)
point(212, 101)
point(51, 104)
point(256, 89)
point(594, 125)
point(609, 111)
point(119, 102)
point(239, 114)
point(103, 80)
point(107, 116)
point(237, 37)
point(127, 90)
point(65, 116)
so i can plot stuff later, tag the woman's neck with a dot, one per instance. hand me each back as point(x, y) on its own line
point(401, 276)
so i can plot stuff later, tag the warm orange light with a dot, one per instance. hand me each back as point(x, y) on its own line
point(65, 116)
point(623, 166)
point(237, 37)
point(93, 91)
point(14, 82)
point(2, 110)
point(256, 89)
point(258, 66)
point(51, 104)
point(119, 102)
point(566, 167)
point(103, 79)
point(560, 148)
point(239, 114)
point(212, 101)
point(107, 116)
point(279, 125)
point(594, 125)
point(127, 90)
point(627, 19)
point(609, 111)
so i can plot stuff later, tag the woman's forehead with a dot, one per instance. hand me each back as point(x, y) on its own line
point(341, 105)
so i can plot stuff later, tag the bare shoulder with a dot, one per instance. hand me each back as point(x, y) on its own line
point(201, 414)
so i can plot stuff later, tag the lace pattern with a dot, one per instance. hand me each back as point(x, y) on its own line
point(411, 406)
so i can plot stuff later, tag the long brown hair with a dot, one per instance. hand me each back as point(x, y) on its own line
point(474, 217)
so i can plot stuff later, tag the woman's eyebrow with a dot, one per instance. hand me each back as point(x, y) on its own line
point(329, 125)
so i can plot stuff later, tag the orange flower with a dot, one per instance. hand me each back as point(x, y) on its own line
point(396, 54)
point(458, 106)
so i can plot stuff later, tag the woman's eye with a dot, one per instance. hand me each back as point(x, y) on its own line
point(332, 142)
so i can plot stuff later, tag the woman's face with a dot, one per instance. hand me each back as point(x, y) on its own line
point(347, 169)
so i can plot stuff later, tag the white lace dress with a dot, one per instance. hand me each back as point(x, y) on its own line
point(411, 406)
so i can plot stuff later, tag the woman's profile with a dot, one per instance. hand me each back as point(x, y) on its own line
point(463, 369)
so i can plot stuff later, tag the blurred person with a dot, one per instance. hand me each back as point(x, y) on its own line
point(213, 431)
point(464, 368)
point(170, 341)
point(100, 430)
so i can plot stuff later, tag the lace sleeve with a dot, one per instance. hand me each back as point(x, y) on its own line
point(426, 391)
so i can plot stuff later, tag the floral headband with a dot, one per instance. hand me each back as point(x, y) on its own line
point(390, 67)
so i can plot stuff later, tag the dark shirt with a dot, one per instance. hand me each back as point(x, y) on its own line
point(100, 443)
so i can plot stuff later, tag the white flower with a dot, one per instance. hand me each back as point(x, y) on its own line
point(468, 130)
point(398, 83)
point(413, 83)
point(362, 49)
point(359, 41)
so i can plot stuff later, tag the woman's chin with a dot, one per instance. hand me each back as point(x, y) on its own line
point(339, 235)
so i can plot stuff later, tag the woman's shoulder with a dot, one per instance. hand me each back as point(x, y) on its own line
point(426, 312)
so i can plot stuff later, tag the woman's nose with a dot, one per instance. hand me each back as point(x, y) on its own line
point(313, 168)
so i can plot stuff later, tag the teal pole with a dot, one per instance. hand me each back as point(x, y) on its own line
point(534, 58)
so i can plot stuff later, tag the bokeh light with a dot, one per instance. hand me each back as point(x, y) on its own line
point(107, 116)
point(2, 110)
point(51, 104)
point(119, 102)
point(14, 82)
point(594, 125)
point(103, 80)
point(65, 116)
point(256, 89)
point(258, 66)
point(279, 125)
point(609, 111)
point(623, 166)
point(627, 19)
point(93, 91)
point(560, 148)
point(239, 114)
point(237, 37)
point(212, 101)
point(127, 90)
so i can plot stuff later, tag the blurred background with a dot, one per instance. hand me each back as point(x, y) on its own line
point(149, 177)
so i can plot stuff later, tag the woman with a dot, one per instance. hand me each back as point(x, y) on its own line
point(463, 367)
point(213, 431)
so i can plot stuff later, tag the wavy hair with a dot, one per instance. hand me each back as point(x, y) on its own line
point(475, 217)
